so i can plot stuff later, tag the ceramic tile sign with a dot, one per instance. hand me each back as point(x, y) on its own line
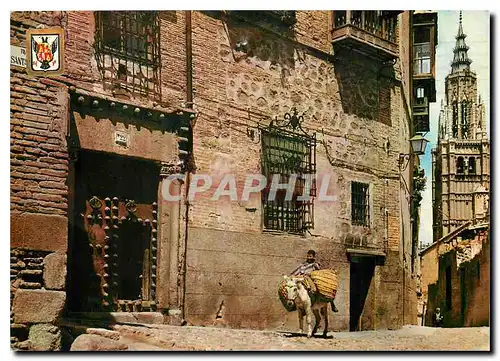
point(45, 51)
point(18, 56)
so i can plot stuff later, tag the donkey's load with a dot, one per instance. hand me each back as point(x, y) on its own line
point(326, 282)
point(290, 307)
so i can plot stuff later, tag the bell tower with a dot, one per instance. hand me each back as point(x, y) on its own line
point(461, 161)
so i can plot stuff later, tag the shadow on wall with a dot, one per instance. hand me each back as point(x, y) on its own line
point(247, 40)
point(365, 86)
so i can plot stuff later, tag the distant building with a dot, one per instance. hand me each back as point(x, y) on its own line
point(461, 160)
point(455, 267)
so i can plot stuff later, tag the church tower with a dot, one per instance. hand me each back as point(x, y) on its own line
point(461, 160)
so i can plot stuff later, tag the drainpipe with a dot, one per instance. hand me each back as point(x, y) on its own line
point(189, 104)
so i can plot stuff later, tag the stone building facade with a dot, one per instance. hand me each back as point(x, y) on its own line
point(461, 160)
point(146, 95)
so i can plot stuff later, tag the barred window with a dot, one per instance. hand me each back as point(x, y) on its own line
point(285, 154)
point(127, 45)
point(360, 204)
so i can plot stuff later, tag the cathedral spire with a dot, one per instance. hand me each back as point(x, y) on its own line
point(461, 60)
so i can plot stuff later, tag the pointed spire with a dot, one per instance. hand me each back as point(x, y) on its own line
point(461, 60)
point(460, 28)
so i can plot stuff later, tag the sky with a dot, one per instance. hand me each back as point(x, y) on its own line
point(476, 27)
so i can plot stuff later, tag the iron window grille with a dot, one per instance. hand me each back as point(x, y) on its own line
point(286, 153)
point(127, 46)
point(360, 204)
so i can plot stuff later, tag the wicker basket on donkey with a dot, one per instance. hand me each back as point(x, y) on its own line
point(326, 282)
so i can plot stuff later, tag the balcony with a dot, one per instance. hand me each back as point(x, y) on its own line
point(371, 32)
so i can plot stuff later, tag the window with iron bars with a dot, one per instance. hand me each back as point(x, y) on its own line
point(285, 154)
point(360, 204)
point(127, 45)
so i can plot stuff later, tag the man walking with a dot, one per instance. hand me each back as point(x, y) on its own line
point(307, 267)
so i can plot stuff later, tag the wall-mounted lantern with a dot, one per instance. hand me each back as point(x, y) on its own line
point(418, 145)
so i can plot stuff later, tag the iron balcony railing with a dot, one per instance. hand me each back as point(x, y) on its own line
point(379, 23)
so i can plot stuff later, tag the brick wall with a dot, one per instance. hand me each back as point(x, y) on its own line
point(39, 193)
point(41, 171)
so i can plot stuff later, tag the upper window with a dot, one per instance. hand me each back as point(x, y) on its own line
point(286, 154)
point(420, 93)
point(422, 50)
point(422, 34)
point(360, 204)
point(128, 51)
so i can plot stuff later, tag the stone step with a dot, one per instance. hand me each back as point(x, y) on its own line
point(88, 342)
point(78, 329)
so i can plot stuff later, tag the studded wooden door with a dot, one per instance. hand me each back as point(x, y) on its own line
point(114, 251)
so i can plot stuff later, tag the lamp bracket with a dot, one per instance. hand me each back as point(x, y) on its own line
point(404, 160)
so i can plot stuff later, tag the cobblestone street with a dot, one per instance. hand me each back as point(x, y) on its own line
point(409, 338)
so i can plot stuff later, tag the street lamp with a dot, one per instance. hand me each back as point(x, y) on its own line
point(418, 145)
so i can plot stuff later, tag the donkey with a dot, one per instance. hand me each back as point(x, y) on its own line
point(306, 305)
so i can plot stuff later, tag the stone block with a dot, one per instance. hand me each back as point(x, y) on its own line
point(38, 306)
point(45, 337)
point(97, 343)
point(39, 232)
point(54, 271)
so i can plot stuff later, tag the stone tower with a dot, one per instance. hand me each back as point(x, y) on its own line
point(461, 160)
